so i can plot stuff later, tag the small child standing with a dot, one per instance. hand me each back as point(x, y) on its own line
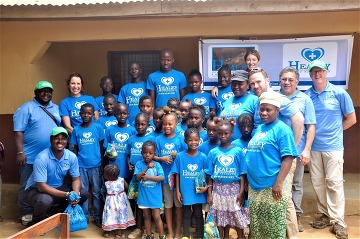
point(146, 105)
point(225, 91)
point(197, 95)
point(157, 118)
point(150, 174)
point(117, 214)
point(226, 168)
point(86, 140)
point(187, 166)
point(131, 93)
point(213, 140)
point(108, 119)
point(167, 146)
point(119, 135)
point(196, 120)
point(106, 85)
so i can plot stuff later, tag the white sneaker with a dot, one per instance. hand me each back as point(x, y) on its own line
point(25, 220)
point(135, 234)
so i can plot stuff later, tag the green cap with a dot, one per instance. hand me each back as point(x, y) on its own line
point(59, 130)
point(43, 84)
point(317, 63)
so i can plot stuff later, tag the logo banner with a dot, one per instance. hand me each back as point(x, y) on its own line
point(335, 51)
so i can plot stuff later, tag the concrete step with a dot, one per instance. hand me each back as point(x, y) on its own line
point(309, 206)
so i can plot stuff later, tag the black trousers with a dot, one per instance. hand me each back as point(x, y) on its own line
point(186, 210)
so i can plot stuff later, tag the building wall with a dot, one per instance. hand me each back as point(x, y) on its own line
point(36, 50)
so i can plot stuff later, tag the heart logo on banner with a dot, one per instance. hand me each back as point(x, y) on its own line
point(234, 106)
point(226, 160)
point(200, 101)
point(260, 135)
point(87, 135)
point(110, 122)
point(137, 91)
point(138, 144)
point(120, 137)
point(79, 104)
point(228, 95)
point(167, 80)
point(312, 54)
point(192, 167)
point(169, 146)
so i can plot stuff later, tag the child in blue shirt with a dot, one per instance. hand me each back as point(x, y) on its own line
point(167, 146)
point(225, 91)
point(187, 166)
point(226, 169)
point(131, 93)
point(146, 105)
point(106, 85)
point(86, 140)
point(196, 120)
point(119, 136)
point(108, 119)
point(197, 95)
point(166, 82)
point(150, 174)
point(184, 109)
point(157, 118)
point(246, 126)
point(213, 140)
point(174, 104)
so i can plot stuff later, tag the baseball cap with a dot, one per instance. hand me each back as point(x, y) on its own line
point(270, 97)
point(317, 63)
point(43, 84)
point(59, 130)
point(240, 75)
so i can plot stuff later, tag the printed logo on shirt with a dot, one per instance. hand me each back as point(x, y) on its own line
point(138, 144)
point(150, 129)
point(79, 104)
point(110, 122)
point(150, 183)
point(167, 80)
point(228, 95)
point(192, 167)
point(234, 106)
point(226, 160)
point(87, 138)
point(200, 101)
point(120, 137)
point(137, 91)
point(260, 135)
point(87, 135)
point(169, 146)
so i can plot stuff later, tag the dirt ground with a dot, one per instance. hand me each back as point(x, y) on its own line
point(11, 226)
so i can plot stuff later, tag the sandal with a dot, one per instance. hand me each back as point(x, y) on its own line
point(106, 234)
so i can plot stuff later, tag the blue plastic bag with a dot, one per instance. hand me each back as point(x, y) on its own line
point(210, 228)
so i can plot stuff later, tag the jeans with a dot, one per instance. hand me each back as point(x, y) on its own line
point(25, 173)
point(42, 202)
point(186, 210)
point(90, 177)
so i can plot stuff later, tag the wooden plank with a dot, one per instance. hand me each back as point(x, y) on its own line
point(64, 226)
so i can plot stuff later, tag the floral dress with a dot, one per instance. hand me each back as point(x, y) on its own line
point(117, 212)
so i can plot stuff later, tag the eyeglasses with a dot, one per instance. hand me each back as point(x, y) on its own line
point(314, 72)
point(290, 80)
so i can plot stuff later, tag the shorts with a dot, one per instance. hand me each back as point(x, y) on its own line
point(170, 197)
point(145, 207)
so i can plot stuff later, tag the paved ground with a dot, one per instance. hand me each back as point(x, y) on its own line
point(10, 226)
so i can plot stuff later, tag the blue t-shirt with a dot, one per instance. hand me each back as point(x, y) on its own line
point(165, 146)
point(206, 147)
point(120, 137)
point(130, 95)
point(306, 107)
point(150, 192)
point(180, 129)
point(155, 135)
point(135, 147)
point(241, 144)
point(150, 129)
point(36, 125)
point(106, 121)
point(226, 165)
point(204, 98)
point(203, 137)
point(265, 151)
point(223, 95)
point(99, 101)
point(88, 142)
point(50, 170)
point(330, 107)
point(166, 85)
point(287, 110)
point(233, 108)
point(70, 106)
point(188, 168)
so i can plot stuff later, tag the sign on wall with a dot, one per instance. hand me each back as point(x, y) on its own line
point(335, 51)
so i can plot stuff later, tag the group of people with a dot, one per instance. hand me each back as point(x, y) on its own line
point(250, 142)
